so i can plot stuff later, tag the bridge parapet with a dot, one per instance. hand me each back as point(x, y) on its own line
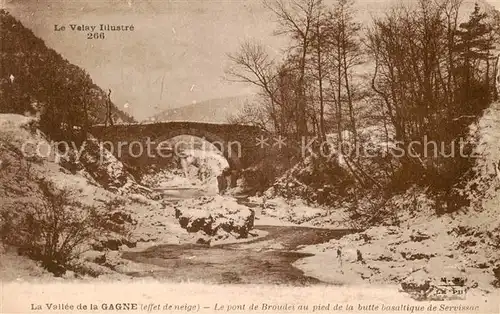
point(139, 143)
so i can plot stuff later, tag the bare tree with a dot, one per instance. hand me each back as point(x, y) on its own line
point(109, 110)
point(426, 75)
point(297, 19)
point(347, 54)
point(252, 64)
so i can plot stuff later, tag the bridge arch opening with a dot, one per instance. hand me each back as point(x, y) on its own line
point(204, 141)
point(236, 142)
point(201, 161)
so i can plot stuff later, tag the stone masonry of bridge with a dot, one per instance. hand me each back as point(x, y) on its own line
point(236, 142)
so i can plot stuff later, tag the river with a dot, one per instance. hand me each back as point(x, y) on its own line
point(264, 260)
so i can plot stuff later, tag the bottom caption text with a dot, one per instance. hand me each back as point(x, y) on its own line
point(257, 307)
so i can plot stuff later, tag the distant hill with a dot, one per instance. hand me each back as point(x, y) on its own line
point(212, 111)
point(32, 73)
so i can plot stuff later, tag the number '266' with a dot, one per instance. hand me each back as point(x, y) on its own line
point(95, 35)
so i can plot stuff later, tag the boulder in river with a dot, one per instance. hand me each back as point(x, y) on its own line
point(213, 214)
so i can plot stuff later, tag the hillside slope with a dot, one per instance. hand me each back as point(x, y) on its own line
point(31, 72)
point(424, 247)
point(130, 217)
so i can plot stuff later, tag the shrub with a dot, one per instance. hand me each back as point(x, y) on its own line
point(115, 218)
point(52, 230)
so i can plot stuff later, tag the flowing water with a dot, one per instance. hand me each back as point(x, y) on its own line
point(265, 260)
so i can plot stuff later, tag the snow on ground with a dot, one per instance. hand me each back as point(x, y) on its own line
point(16, 129)
point(375, 137)
point(281, 212)
point(155, 222)
point(417, 254)
point(213, 160)
point(167, 178)
point(19, 268)
point(483, 189)
point(199, 169)
point(425, 247)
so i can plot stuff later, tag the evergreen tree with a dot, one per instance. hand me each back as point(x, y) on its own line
point(474, 45)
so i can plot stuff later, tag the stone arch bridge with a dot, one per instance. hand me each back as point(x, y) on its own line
point(144, 143)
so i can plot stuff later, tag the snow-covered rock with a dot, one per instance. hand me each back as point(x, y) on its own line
point(213, 214)
point(295, 211)
point(102, 165)
point(209, 162)
point(92, 256)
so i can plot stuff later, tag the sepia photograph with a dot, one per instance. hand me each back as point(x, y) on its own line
point(265, 156)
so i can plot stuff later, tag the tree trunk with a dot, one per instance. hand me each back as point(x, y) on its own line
point(349, 98)
point(339, 93)
point(322, 131)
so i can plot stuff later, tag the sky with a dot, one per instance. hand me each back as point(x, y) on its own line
point(495, 3)
point(176, 54)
